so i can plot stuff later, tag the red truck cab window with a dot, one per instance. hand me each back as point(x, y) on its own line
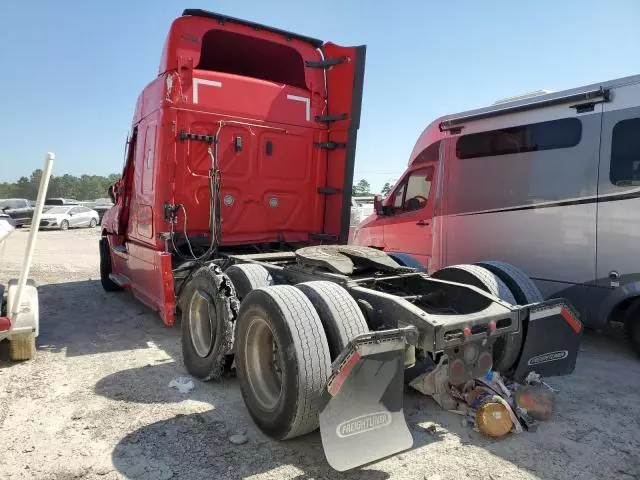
point(230, 52)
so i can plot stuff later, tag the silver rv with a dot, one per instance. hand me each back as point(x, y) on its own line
point(548, 182)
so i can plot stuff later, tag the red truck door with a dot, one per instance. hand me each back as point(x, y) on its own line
point(344, 77)
point(408, 227)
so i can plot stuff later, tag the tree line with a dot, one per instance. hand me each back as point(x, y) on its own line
point(363, 189)
point(90, 187)
point(84, 187)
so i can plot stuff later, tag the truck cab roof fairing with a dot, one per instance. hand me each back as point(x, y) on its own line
point(184, 39)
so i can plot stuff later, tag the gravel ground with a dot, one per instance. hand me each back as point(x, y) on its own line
point(95, 403)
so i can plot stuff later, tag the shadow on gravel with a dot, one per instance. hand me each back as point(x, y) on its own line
point(150, 384)
point(80, 318)
point(197, 446)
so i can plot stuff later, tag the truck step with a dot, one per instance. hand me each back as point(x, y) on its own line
point(120, 280)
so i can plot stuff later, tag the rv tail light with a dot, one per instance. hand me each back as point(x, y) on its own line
point(466, 332)
point(492, 326)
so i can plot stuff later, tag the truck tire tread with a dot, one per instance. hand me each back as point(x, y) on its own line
point(341, 317)
point(247, 277)
point(525, 292)
point(308, 353)
point(488, 281)
point(506, 349)
point(523, 288)
point(105, 267)
point(217, 285)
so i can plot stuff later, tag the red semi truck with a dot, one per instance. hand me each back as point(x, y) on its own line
point(233, 211)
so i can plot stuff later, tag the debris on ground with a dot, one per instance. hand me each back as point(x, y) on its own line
point(492, 404)
point(182, 384)
point(238, 439)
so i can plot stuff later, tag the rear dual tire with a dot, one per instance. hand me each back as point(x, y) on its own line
point(282, 359)
point(507, 283)
point(209, 308)
point(339, 313)
point(286, 338)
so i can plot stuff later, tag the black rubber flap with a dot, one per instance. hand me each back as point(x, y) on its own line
point(552, 340)
point(362, 420)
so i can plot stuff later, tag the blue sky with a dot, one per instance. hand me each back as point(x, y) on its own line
point(71, 70)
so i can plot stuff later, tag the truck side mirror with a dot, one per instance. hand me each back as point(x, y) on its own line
point(377, 205)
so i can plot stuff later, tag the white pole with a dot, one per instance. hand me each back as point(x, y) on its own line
point(33, 233)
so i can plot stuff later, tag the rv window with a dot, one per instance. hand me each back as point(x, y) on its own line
point(534, 137)
point(413, 192)
point(625, 153)
point(239, 54)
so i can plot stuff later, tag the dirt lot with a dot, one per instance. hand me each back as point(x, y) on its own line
point(96, 403)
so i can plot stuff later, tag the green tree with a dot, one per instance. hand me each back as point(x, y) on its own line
point(22, 188)
point(386, 188)
point(361, 189)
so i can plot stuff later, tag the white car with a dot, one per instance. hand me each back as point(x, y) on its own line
point(361, 208)
point(69, 216)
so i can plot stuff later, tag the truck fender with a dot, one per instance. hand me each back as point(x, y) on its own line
point(616, 297)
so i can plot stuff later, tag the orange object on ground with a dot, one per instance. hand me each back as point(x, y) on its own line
point(493, 419)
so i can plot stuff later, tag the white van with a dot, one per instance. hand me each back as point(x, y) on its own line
point(548, 182)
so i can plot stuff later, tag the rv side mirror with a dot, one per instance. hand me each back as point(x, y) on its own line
point(112, 193)
point(377, 205)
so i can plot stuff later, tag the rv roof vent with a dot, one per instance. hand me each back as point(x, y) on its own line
point(535, 93)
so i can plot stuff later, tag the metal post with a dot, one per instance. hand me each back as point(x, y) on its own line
point(33, 233)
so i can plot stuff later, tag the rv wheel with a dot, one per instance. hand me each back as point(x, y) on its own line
point(282, 360)
point(209, 309)
point(632, 325)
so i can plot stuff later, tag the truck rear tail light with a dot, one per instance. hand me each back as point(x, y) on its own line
point(466, 332)
point(457, 372)
point(485, 361)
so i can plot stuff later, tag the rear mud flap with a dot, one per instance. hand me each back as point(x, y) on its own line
point(361, 418)
point(552, 342)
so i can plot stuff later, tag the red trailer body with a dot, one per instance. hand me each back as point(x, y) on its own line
point(285, 111)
